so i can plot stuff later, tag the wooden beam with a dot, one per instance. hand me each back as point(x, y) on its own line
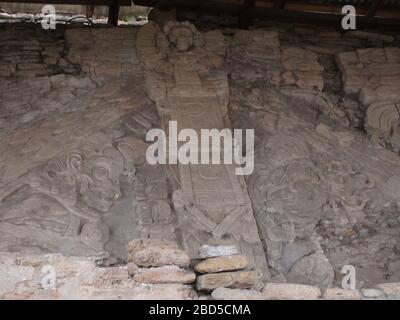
point(374, 7)
point(245, 19)
point(249, 4)
point(280, 4)
point(294, 11)
point(113, 13)
point(165, 5)
point(328, 19)
point(72, 2)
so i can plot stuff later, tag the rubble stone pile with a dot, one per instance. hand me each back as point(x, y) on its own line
point(158, 270)
point(221, 269)
point(158, 261)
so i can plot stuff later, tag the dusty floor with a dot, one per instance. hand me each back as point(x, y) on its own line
point(76, 104)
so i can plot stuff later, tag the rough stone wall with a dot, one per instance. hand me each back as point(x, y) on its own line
point(79, 278)
point(74, 112)
point(73, 177)
point(158, 270)
point(324, 196)
point(30, 52)
point(104, 53)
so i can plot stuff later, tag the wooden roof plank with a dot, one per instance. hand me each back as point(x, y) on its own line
point(375, 5)
point(72, 2)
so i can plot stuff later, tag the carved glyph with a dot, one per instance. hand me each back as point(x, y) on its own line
point(383, 121)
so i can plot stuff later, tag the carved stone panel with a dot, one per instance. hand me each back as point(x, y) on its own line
point(187, 80)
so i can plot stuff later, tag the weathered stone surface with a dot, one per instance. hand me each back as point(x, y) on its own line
point(132, 268)
point(391, 290)
point(161, 17)
point(166, 274)
point(147, 292)
point(28, 58)
point(374, 74)
point(372, 294)
point(73, 172)
point(382, 121)
point(22, 277)
point(186, 77)
point(236, 294)
point(289, 65)
point(206, 251)
point(228, 263)
point(239, 280)
point(369, 35)
point(157, 257)
point(116, 62)
point(68, 157)
point(290, 291)
point(307, 161)
point(314, 269)
point(341, 294)
point(137, 245)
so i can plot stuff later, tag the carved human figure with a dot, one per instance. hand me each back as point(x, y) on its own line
point(288, 196)
point(186, 77)
point(99, 181)
point(185, 61)
point(180, 36)
point(58, 206)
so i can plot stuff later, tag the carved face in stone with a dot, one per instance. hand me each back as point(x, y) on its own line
point(181, 36)
point(99, 180)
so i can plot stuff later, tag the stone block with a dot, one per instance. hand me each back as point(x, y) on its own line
point(290, 291)
point(239, 280)
point(217, 251)
point(137, 245)
point(391, 290)
point(157, 257)
point(341, 294)
point(165, 274)
point(228, 263)
point(236, 294)
point(372, 294)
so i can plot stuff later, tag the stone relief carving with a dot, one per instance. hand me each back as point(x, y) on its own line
point(288, 194)
point(73, 177)
point(374, 75)
point(63, 200)
point(317, 192)
point(383, 122)
point(60, 176)
point(187, 79)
